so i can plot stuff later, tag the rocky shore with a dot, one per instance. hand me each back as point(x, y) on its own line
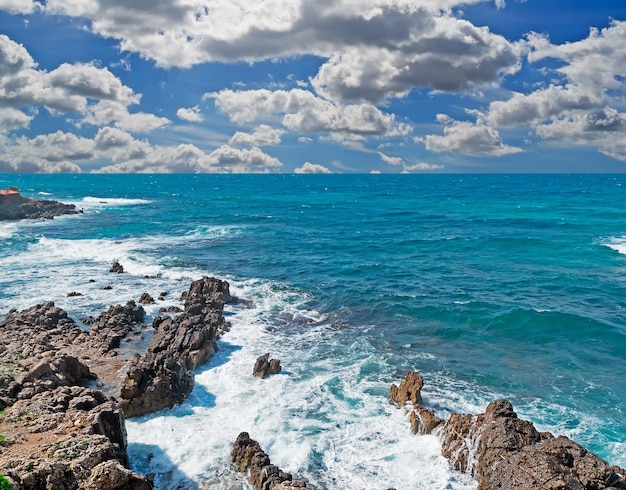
point(65, 391)
point(14, 206)
point(503, 451)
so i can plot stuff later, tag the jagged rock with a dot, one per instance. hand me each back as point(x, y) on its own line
point(248, 456)
point(409, 390)
point(264, 367)
point(146, 299)
point(116, 268)
point(111, 326)
point(15, 207)
point(423, 420)
point(164, 376)
point(73, 294)
point(503, 451)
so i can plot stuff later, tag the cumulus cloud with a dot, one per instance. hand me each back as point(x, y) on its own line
point(264, 135)
point(97, 95)
point(443, 53)
point(19, 6)
point(468, 138)
point(390, 160)
point(304, 112)
point(191, 114)
point(312, 168)
point(115, 151)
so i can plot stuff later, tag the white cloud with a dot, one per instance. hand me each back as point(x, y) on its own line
point(468, 138)
point(312, 168)
point(115, 151)
point(443, 53)
point(304, 112)
point(19, 6)
point(11, 119)
point(191, 114)
point(263, 135)
point(94, 93)
point(420, 167)
point(390, 160)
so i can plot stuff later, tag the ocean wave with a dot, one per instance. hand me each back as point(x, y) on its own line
point(617, 244)
point(97, 202)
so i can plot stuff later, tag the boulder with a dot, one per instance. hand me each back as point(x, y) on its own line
point(264, 367)
point(111, 326)
point(409, 390)
point(146, 299)
point(116, 268)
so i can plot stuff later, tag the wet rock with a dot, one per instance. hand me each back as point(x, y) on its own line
point(249, 457)
point(73, 294)
point(164, 376)
point(410, 390)
point(116, 268)
point(146, 299)
point(264, 367)
point(503, 451)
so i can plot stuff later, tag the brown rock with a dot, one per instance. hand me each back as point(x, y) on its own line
point(264, 367)
point(409, 390)
point(146, 299)
point(248, 456)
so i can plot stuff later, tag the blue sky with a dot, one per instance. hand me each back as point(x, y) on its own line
point(312, 86)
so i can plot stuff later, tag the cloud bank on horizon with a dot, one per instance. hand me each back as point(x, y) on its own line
point(303, 86)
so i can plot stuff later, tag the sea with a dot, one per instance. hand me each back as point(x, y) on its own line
point(491, 286)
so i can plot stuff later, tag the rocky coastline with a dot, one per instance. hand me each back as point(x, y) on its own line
point(502, 451)
point(65, 392)
point(66, 388)
point(14, 206)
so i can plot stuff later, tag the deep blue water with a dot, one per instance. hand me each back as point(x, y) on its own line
point(491, 286)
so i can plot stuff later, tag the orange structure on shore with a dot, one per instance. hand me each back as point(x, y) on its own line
point(11, 190)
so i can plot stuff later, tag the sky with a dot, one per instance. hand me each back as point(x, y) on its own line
point(312, 86)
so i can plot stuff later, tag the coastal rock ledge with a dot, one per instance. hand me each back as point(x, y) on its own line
point(57, 430)
point(503, 451)
point(14, 206)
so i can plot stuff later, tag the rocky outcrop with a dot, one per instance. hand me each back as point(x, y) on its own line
point(503, 451)
point(36, 353)
point(59, 432)
point(409, 396)
point(264, 367)
point(146, 299)
point(16, 207)
point(249, 457)
point(164, 376)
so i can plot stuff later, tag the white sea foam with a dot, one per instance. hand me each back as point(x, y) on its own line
point(617, 244)
point(113, 201)
point(326, 418)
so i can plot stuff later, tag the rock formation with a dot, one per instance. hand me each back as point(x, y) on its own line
point(502, 451)
point(59, 432)
point(409, 396)
point(146, 299)
point(264, 367)
point(249, 457)
point(116, 268)
point(14, 206)
point(164, 376)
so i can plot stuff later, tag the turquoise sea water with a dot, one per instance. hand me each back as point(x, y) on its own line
point(492, 286)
